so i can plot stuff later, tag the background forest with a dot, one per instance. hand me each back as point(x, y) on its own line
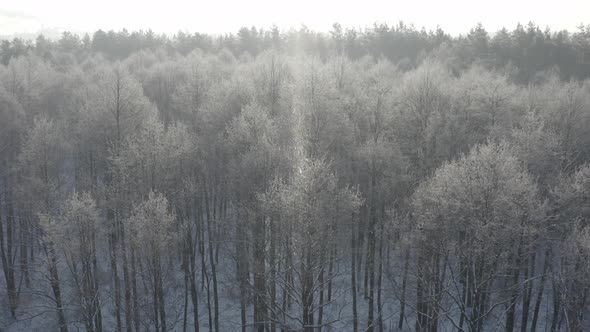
point(386, 179)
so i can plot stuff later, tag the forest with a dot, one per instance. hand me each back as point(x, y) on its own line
point(378, 179)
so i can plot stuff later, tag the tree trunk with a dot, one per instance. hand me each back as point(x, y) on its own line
point(330, 271)
point(194, 299)
point(510, 317)
point(371, 256)
point(212, 261)
point(402, 300)
point(527, 292)
point(273, 275)
point(353, 270)
point(539, 299)
point(126, 283)
point(307, 290)
point(379, 281)
point(192, 280)
point(7, 267)
point(161, 299)
point(113, 251)
point(242, 270)
point(186, 286)
point(135, 303)
point(556, 305)
point(360, 245)
point(24, 245)
point(98, 317)
point(54, 275)
point(208, 283)
point(321, 297)
point(156, 298)
point(371, 279)
point(201, 225)
point(259, 275)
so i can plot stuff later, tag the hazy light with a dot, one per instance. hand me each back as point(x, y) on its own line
point(221, 16)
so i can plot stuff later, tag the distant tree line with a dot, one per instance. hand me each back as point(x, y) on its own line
point(529, 49)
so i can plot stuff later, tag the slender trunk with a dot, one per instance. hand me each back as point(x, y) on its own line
point(402, 300)
point(218, 230)
point(321, 301)
point(427, 262)
point(371, 279)
point(539, 299)
point(330, 271)
point(290, 274)
point(510, 317)
point(98, 316)
point(161, 299)
point(192, 275)
point(556, 305)
point(156, 298)
point(353, 255)
point(24, 265)
point(212, 261)
point(527, 292)
point(379, 281)
point(321, 297)
point(61, 318)
point(360, 244)
point(88, 293)
point(113, 250)
point(185, 303)
point(9, 267)
point(127, 294)
point(371, 256)
point(465, 289)
point(242, 272)
point(209, 307)
point(201, 230)
point(368, 252)
point(193, 288)
point(307, 290)
point(273, 275)
point(200, 238)
point(8, 270)
point(288, 268)
point(479, 295)
point(259, 273)
point(135, 303)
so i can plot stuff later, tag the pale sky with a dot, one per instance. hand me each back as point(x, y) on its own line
point(221, 16)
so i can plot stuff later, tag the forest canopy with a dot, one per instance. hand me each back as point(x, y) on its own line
point(383, 179)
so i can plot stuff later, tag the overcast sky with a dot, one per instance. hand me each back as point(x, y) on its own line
point(220, 16)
